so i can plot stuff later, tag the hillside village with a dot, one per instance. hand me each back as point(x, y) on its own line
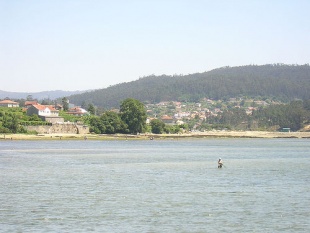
point(174, 112)
point(169, 112)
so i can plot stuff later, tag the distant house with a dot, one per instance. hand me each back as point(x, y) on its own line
point(28, 103)
point(148, 120)
point(167, 120)
point(42, 110)
point(9, 104)
point(45, 112)
point(181, 115)
point(78, 111)
point(179, 122)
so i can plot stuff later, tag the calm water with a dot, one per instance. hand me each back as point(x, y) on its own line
point(155, 186)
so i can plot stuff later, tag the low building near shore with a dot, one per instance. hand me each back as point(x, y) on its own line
point(167, 120)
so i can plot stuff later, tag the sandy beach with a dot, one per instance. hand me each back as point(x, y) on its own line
point(208, 134)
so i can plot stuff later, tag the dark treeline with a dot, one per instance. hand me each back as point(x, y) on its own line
point(281, 82)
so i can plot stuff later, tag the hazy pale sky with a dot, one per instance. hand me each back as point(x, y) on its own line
point(92, 44)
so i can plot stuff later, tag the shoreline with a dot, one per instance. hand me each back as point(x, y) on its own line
point(208, 134)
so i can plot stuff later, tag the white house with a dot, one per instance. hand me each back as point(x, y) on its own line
point(45, 112)
point(9, 104)
point(42, 110)
point(78, 111)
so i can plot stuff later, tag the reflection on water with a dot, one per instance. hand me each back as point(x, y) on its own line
point(155, 186)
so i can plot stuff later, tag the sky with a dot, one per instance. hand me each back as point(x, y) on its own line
point(93, 44)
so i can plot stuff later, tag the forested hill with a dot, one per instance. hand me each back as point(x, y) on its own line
point(284, 82)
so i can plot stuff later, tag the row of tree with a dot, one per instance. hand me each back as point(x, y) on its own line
point(130, 119)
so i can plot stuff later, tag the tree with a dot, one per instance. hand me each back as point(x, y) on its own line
point(84, 104)
point(46, 102)
point(113, 123)
point(91, 109)
point(291, 115)
point(96, 125)
point(10, 122)
point(172, 129)
point(29, 97)
point(133, 114)
point(157, 126)
point(65, 103)
point(109, 123)
point(14, 124)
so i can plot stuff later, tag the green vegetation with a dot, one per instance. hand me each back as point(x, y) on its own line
point(130, 119)
point(276, 82)
point(157, 126)
point(108, 123)
point(70, 117)
point(294, 115)
point(12, 120)
point(65, 103)
point(133, 114)
point(91, 109)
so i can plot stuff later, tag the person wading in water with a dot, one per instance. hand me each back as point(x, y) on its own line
point(220, 163)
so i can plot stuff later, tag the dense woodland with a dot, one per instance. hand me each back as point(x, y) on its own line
point(278, 81)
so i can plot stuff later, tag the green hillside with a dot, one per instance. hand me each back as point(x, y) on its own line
point(283, 82)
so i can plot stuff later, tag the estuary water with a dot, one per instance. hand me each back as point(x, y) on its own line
point(155, 186)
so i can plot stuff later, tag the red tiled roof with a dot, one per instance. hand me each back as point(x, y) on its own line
point(51, 107)
point(42, 107)
point(33, 102)
point(75, 109)
point(166, 118)
point(8, 102)
point(39, 106)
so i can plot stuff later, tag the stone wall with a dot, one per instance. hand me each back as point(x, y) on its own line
point(60, 128)
point(53, 119)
